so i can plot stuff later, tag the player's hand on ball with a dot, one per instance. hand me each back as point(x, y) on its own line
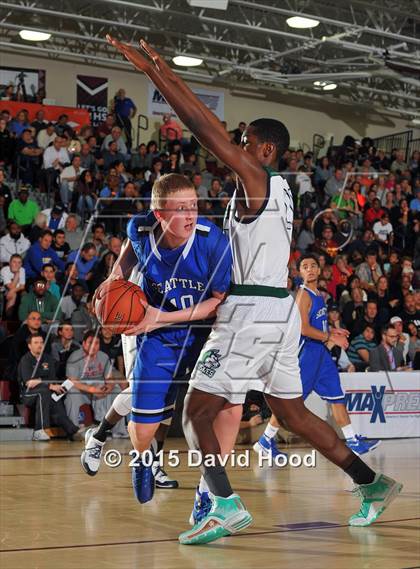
point(149, 323)
point(104, 284)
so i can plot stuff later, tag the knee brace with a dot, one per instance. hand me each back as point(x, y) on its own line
point(122, 403)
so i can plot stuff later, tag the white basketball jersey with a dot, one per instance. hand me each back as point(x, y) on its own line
point(261, 244)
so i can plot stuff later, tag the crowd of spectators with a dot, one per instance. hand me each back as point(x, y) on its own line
point(357, 207)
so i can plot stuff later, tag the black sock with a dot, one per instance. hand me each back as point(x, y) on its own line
point(102, 430)
point(360, 472)
point(159, 445)
point(217, 481)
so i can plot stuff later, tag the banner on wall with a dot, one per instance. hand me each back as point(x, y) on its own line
point(384, 404)
point(92, 95)
point(214, 100)
point(77, 117)
point(28, 84)
point(381, 405)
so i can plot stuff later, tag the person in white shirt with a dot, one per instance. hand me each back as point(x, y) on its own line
point(404, 338)
point(72, 301)
point(74, 233)
point(13, 243)
point(46, 136)
point(383, 230)
point(56, 217)
point(56, 156)
point(115, 136)
point(13, 278)
point(304, 183)
point(305, 191)
point(68, 177)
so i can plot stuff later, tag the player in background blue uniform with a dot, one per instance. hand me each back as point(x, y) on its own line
point(319, 372)
point(185, 264)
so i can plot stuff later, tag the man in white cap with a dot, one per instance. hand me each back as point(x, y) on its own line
point(404, 339)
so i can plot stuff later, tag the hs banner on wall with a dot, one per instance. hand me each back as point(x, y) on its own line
point(214, 100)
point(92, 95)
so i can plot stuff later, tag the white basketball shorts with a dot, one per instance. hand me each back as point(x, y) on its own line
point(254, 344)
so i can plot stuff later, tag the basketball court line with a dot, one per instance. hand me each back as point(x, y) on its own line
point(299, 528)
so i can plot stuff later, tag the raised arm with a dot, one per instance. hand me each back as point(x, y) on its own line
point(205, 126)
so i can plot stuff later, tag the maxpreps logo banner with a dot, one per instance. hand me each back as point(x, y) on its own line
point(384, 404)
point(92, 95)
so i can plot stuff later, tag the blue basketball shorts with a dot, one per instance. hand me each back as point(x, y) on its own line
point(320, 374)
point(163, 362)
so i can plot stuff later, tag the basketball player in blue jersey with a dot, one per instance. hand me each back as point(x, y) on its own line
point(317, 368)
point(254, 343)
point(185, 263)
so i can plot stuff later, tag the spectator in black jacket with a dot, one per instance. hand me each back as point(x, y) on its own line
point(19, 346)
point(63, 347)
point(37, 378)
point(354, 309)
point(371, 317)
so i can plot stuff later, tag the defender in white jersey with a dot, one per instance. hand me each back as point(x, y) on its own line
point(256, 334)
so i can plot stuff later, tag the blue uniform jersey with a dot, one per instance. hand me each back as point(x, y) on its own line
point(317, 368)
point(317, 316)
point(174, 279)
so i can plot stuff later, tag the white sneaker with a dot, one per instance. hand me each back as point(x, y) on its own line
point(91, 456)
point(162, 480)
point(40, 435)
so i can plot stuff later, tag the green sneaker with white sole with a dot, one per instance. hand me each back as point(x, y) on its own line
point(226, 517)
point(375, 498)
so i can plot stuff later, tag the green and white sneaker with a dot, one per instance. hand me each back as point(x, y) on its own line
point(226, 517)
point(375, 498)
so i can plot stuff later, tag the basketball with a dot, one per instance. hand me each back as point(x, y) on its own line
point(118, 305)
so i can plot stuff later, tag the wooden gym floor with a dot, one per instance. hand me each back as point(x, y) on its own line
point(55, 516)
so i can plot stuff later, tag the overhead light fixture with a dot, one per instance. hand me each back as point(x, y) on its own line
point(186, 61)
point(325, 85)
point(213, 4)
point(31, 35)
point(301, 23)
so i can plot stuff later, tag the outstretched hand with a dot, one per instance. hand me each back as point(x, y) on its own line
point(135, 56)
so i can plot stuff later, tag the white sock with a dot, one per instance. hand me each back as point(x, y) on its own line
point(203, 486)
point(348, 431)
point(270, 431)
